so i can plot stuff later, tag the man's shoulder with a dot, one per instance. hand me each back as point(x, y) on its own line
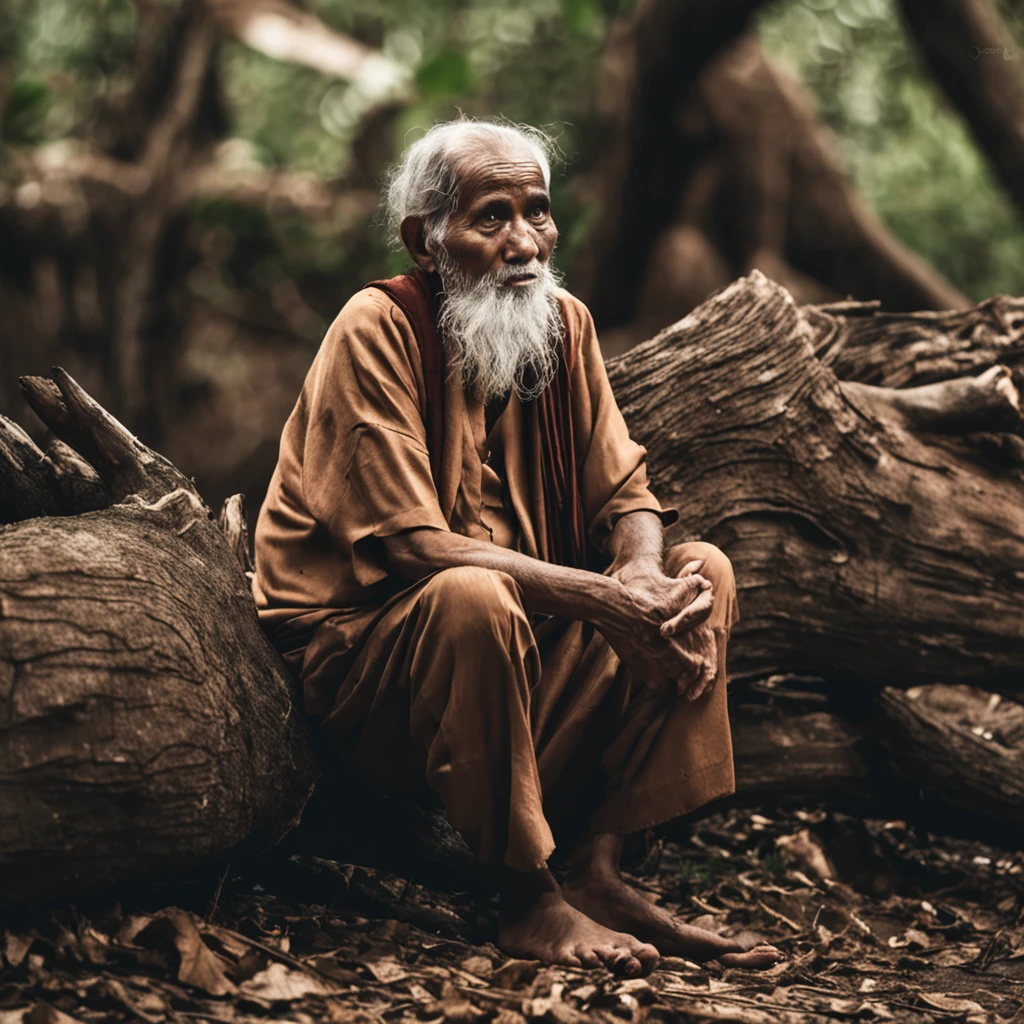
point(369, 305)
point(370, 318)
point(579, 324)
point(567, 298)
point(575, 310)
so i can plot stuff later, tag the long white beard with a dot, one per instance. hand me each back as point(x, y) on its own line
point(503, 336)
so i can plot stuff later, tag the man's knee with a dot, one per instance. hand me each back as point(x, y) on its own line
point(474, 601)
point(717, 568)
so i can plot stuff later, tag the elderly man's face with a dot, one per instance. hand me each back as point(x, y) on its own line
point(504, 214)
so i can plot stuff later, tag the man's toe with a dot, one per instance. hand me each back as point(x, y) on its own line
point(646, 953)
point(630, 966)
point(588, 957)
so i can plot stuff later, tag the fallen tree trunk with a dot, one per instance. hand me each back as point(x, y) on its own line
point(869, 549)
point(148, 725)
point(923, 752)
point(896, 350)
point(960, 746)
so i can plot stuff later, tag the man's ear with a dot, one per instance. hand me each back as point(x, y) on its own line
point(415, 241)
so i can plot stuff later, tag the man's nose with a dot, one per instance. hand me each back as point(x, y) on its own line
point(520, 243)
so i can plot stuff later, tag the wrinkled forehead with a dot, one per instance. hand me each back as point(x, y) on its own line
point(498, 166)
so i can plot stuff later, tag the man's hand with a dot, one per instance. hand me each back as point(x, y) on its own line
point(703, 647)
point(647, 623)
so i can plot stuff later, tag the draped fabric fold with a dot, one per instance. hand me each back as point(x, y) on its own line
point(419, 295)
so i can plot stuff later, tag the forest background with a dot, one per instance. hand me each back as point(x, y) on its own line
point(194, 317)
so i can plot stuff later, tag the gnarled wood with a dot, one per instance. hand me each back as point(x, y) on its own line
point(34, 483)
point(897, 350)
point(235, 527)
point(964, 746)
point(987, 402)
point(148, 725)
point(864, 552)
point(933, 750)
point(26, 482)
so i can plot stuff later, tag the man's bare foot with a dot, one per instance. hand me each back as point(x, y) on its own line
point(595, 887)
point(537, 924)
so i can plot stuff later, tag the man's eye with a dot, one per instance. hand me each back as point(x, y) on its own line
point(538, 211)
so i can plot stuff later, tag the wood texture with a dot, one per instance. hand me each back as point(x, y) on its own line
point(148, 725)
point(862, 343)
point(865, 552)
point(964, 746)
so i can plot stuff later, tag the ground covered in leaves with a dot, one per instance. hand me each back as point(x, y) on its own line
point(879, 923)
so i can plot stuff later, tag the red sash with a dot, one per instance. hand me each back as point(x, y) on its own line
point(418, 294)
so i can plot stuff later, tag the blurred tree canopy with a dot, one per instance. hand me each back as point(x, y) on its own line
point(906, 150)
point(536, 61)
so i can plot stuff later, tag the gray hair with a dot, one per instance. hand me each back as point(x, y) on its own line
point(425, 183)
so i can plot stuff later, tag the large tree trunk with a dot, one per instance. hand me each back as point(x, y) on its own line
point(975, 59)
point(874, 541)
point(716, 164)
point(148, 725)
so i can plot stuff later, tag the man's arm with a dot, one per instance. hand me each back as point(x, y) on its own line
point(631, 617)
point(637, 544)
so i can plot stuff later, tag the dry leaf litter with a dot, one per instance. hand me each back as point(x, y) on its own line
point(879, 922)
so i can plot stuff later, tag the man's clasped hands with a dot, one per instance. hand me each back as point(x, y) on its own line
point(658, 627)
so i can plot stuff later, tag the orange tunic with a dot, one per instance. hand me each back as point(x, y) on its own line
point(515, 721)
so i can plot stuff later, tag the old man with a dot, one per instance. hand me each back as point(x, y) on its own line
point(460, 558)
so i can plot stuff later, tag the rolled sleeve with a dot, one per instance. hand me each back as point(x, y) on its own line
point(632, 495)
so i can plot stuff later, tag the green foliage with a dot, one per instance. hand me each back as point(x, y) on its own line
point(27, 105)
point(534, 62)
point(68, 57)
point(907, 150)
point(447, 74)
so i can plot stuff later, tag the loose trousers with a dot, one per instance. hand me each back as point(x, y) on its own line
point(524, 733)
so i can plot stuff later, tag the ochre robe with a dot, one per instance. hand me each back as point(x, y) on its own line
point(514, 720)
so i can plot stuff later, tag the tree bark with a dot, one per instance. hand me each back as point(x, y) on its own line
point(816, 755)
point(961, 745)
point(148, 725)
point(903, 753)
point(896, 350)
point(868, 550)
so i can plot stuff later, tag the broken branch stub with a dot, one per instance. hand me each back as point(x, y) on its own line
point(124, 464)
